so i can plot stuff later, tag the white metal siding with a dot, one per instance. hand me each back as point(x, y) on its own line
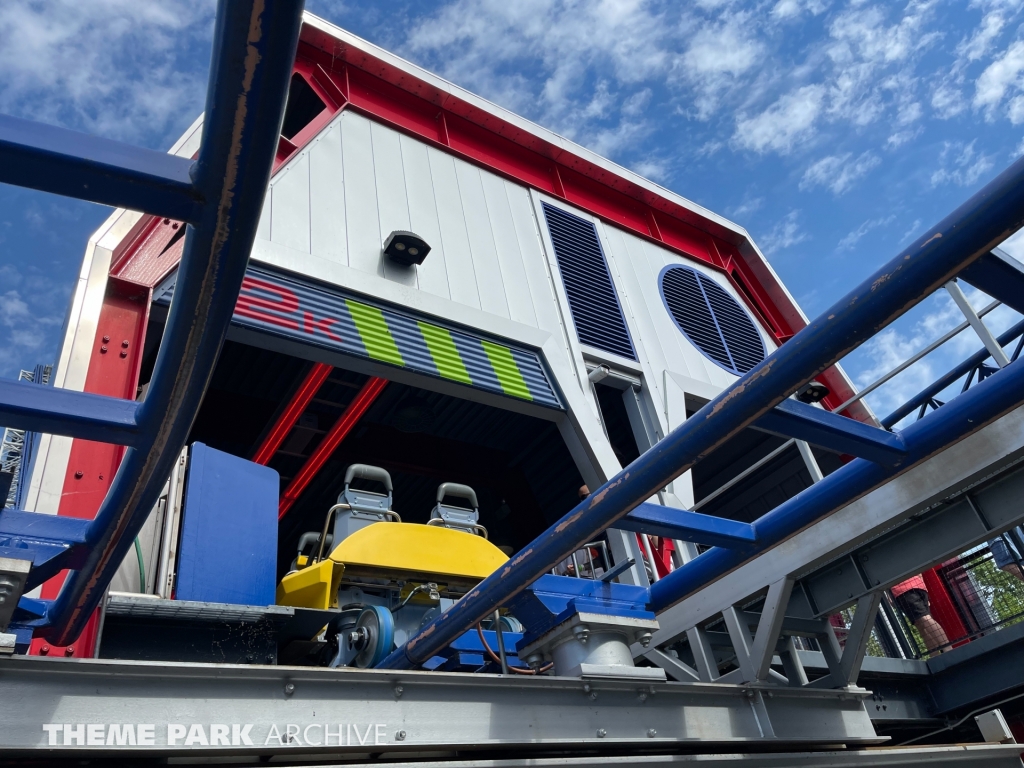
point(359, 180)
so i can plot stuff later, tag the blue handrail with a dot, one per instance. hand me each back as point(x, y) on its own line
point(988, 218)
point(221, 196)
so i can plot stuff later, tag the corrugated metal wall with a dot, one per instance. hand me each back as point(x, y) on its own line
point(359, 180)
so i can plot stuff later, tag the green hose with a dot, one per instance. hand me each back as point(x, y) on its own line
point(142, 566)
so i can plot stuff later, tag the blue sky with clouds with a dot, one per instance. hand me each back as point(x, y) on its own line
point(835, 131)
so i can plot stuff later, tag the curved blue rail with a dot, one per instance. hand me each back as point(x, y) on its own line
point(221, 196)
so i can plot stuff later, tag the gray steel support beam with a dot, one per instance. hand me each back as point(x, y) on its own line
point(960, 466)
point(857, 639)
point(418, 712)
point(769, 628)
point(916, 545)
point(977, 324)
point(968, 755)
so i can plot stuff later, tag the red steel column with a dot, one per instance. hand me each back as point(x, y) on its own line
point(300, 400)
point(355, 410)
point(113, 371)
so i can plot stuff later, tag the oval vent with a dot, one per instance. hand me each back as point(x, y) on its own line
point(711, 319)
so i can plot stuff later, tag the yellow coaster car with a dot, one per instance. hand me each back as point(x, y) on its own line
point(386, 578)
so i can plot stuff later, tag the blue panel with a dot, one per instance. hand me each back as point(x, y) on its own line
point(682, 524)
point(711, 319)
point(588, 285)
point(1000, 276)
point(792, 418)
point(228, 550)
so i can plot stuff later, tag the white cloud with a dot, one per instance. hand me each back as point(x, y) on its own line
point(784, 234)
point(789, 120)
point(960, 164)
point(838, 172)
point(898, 139)
point(13, 310)
point(117, 68)
point(789, 9)
point(852, 238)
point(1000, 76)
point(947, 101)
point(717, 55)
point(980, 42)
point(749, 205)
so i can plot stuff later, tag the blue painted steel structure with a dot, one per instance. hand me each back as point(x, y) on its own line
point(984, 221)
point(974, 361)
point(221, 196)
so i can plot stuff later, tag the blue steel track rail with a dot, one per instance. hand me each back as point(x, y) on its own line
point(220, 195)
point(944, 251)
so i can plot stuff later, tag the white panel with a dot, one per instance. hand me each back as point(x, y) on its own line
point(661, 349)
point(675, 415)
point(432, 274)
point(263, 228)
point(289, 212)
point(481, 240)
point(510, 254)
point(327, 197)
point(392, 205)
point(458, 256)
point(534, 261)
point(361, 217)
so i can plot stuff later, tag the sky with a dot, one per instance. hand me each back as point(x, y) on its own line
point(834, 131)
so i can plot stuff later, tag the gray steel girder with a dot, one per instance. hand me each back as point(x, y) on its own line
point(417, 711)
point(959, 467)
point(944, 532)
point(987, 755)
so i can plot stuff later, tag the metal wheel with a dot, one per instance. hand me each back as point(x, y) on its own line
point(373, 637)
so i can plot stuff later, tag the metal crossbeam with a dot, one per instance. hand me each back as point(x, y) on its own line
point(66, 412)
point(1000, 276)
point(791, 418)
point(915, 546)
point(421, 713)
point(73, 164)
point(672, 523)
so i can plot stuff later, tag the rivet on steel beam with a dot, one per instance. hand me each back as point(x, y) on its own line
point(289, 689)
point(78, 475)
point(69, 651)
point(651, 733)
point(103, 350)
point(44, 650)
point(400, 736)
point(601, 733)
point(399, 690)
point(125, 343)
point(106, 339)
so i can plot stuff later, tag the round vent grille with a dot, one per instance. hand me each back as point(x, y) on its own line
point(711, 319)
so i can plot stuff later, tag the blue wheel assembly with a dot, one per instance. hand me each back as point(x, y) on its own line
point(376, 632)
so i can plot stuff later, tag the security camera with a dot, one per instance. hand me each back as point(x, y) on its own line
point(406, 248)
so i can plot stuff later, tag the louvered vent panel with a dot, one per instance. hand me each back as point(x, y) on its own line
point(595, 307)
point(712, 319)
